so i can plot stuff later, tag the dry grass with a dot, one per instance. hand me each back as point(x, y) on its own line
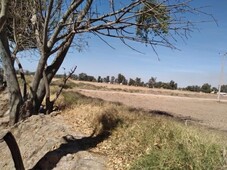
point(141, 140)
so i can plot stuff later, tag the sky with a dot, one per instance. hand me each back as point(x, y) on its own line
point(197, 61)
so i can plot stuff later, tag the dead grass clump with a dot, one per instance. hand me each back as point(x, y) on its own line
point(106, 121)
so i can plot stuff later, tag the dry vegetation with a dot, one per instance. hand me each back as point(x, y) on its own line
point(144, 140)
point(135, 138)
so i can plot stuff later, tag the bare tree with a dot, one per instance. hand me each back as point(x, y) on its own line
point(53, 26)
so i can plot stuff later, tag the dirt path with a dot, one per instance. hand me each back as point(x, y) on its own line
point(207, 111)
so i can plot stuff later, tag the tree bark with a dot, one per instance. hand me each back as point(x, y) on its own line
point(3, 12)
point(11, 79)
point(51, 71)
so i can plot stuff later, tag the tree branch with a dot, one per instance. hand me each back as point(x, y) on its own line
point(57, 30)
point(4, 7)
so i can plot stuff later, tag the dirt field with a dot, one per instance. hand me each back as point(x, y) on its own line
point(203, 108)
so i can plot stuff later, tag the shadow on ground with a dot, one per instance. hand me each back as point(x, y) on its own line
point(161, 113)
point(72, 145)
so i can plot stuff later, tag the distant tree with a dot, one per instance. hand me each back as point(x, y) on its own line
point(90, 78)
point(107, 79)
point(215, 90)
point(206, 88)
point(112, 80)
point(131, 82)
point(193, 88)
point(138, 81)
point(75, 77)
point(125, 82)
point(158, 84)
point(224, 88)
point(172, 85)
point(99, 80)
point(121, 79)
point(152, 82)
point(83, 77)
point(142, 84)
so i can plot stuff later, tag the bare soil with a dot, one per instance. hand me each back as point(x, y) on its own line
point(200, 107)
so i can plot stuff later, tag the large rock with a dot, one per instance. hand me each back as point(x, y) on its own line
point(43, 145)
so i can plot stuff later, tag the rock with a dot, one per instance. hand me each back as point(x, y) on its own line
point(42, 145)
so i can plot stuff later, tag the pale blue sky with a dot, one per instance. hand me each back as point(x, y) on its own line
point(198, 61)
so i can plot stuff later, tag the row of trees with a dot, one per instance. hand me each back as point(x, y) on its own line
point(152, 83)
point(120, 79)
point(206, 88)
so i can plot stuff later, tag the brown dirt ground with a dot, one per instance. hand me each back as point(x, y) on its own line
point(201, 107)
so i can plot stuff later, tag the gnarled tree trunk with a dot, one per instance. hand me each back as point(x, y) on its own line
point(12, 83)
point(10, 75)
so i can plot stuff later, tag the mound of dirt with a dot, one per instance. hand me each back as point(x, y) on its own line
point(46, 142)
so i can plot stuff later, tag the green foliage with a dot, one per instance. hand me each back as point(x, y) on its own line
point(151, 82)
point(193, 88)
point(100, 80)
point(206, 88)
point(106, 79)
point(131, 82)
point(85, 77)
point(138, 81)
point(155, 18)
point(121, 79)
point(112, 79)
point(224, 88)
point(178, 148)
point(171, 85)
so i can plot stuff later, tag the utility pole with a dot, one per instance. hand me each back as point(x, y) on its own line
point(221, 75)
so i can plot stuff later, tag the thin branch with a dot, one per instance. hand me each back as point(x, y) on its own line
point(103, 40)
point(45, 31)
point(64, 83)
point(57, 30)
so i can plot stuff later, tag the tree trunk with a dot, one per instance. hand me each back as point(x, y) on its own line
point(50, 73)
point(11, 79)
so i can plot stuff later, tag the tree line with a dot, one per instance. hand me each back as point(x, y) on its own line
point(121, 79)
point(151, 83)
